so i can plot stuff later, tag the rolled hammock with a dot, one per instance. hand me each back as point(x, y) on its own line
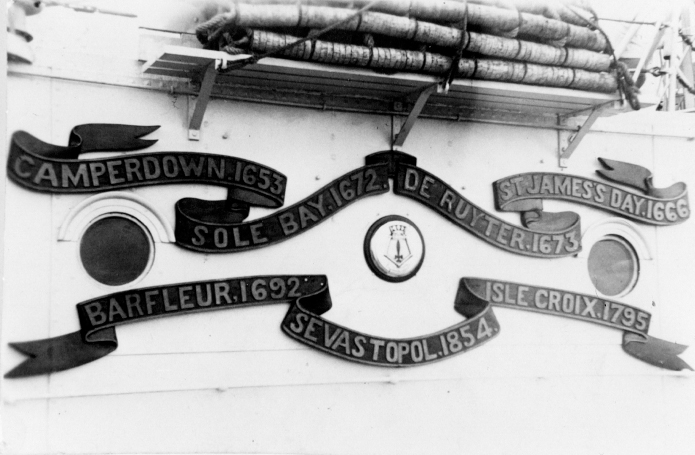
point(510, 22)
point(489, 53)
point(426, 62)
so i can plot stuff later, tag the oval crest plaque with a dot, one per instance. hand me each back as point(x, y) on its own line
point(394, 248)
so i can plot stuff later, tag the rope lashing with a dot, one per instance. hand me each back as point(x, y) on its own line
point(688, 39)
point(463, 44)
point(688, 86)
point(626, 85)
point(213, 28)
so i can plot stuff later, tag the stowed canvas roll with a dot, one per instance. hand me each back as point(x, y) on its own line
point(492, 43)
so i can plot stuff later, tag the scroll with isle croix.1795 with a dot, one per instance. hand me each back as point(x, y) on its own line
point(309, 298)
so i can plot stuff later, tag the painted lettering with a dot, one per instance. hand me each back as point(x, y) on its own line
point(426, 182)
point(18, 166)
point(185, 298)
point(114, 179)
point(502, 233)
point(520, 295)
point(287, 223)
point(377, 344)
point(190, 167)
point(505, 188)
point(115, 310)
point(554, 300)
point(132, 301)
point(73, 180)
point(256, 235)
point(199, 239)
point(46, 172)
point(305, 216)
point(600, 193)
point(491, 223)
point(297, 326)
point(95, 313)
point(518, 239)
point(448, 198)
point(476, 216)
point(203, 302)
point(309, 333)
point(222, 291)
point(359, 345)
point(132, 167)
point(411, 180)
point(150, 166)
point(237, 238)
point(517, 184)
point(562, 185)
point(318, 205)
point(149, 301)
point(616, 197)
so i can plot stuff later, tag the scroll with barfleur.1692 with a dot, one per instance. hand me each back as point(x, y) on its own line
point(309, 298)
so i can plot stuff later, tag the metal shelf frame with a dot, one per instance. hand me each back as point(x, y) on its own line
point(413, 96)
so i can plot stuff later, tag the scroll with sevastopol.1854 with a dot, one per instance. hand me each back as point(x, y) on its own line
point(309, 299)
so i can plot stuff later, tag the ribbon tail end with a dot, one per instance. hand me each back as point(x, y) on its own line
point(96, 137)
point(140, 131)
point(24, 348)
point(549, 221)
point(23, 369)
point(129, 137)
point(57, 354)
point(625, 173)
point(660, 353)
point(143, 143)
point(20, 371)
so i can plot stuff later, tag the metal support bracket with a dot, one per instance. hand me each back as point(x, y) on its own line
point(201, 104)
point(422, 98)
point(568, 141)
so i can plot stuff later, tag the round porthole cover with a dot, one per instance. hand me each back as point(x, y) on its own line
point(394, 248)
point(116, 250)
point(613, 266)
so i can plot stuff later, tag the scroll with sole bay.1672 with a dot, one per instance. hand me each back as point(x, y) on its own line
point(219, 227)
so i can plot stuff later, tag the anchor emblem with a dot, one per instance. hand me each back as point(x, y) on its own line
point(398, 251)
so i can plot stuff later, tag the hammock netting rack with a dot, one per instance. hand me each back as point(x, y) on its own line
point(543, 42)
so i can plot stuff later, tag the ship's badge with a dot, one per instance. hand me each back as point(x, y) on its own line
point(394, 248)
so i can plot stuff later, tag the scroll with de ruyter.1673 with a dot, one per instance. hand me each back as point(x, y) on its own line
point(658, 206)
point(309, 298)
point(219, 226)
